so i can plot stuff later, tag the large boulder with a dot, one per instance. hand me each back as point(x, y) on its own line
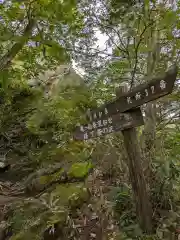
point(43, 179)
point(44, 217)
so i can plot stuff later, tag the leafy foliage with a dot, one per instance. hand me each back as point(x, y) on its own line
point(40, 111)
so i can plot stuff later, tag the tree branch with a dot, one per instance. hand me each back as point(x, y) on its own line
point(6, 60)
point(136, 52)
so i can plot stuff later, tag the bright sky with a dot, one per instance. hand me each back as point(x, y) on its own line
point(100, 45)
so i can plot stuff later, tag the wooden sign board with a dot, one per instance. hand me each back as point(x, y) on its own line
point(114, 123)
point(144, 93)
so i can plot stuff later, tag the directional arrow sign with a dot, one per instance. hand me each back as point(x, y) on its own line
point(108, 125)
point(144, 93)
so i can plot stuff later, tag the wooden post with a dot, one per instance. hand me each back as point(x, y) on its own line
point(143, 205)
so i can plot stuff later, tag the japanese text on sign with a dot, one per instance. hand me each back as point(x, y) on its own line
point(99, 132)
point(98, 124)
point(147, 92)
point(108, 125)
point(96, 115)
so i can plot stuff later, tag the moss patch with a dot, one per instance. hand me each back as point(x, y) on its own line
point(79, 170)
point(47, 179)
point(71, 194)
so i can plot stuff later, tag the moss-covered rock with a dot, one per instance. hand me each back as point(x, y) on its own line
point(31, 218)
point(42, 180)
point(79, 170)
point(71, 195)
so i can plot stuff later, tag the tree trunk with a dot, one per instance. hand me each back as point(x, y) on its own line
point(142, 201)
point(6, 60)
point(149, 133)
point(143, 206)
point(148, 136)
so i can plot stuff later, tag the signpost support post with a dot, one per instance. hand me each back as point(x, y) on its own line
point(143, 205)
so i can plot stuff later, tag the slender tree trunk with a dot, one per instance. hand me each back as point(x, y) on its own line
point(149, 133)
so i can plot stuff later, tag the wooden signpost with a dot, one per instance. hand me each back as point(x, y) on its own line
point(144, 93)
point(124, 115)
point(109, 124)
point(111, 112)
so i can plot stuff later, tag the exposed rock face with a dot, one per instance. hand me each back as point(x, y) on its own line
point(52, 80)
